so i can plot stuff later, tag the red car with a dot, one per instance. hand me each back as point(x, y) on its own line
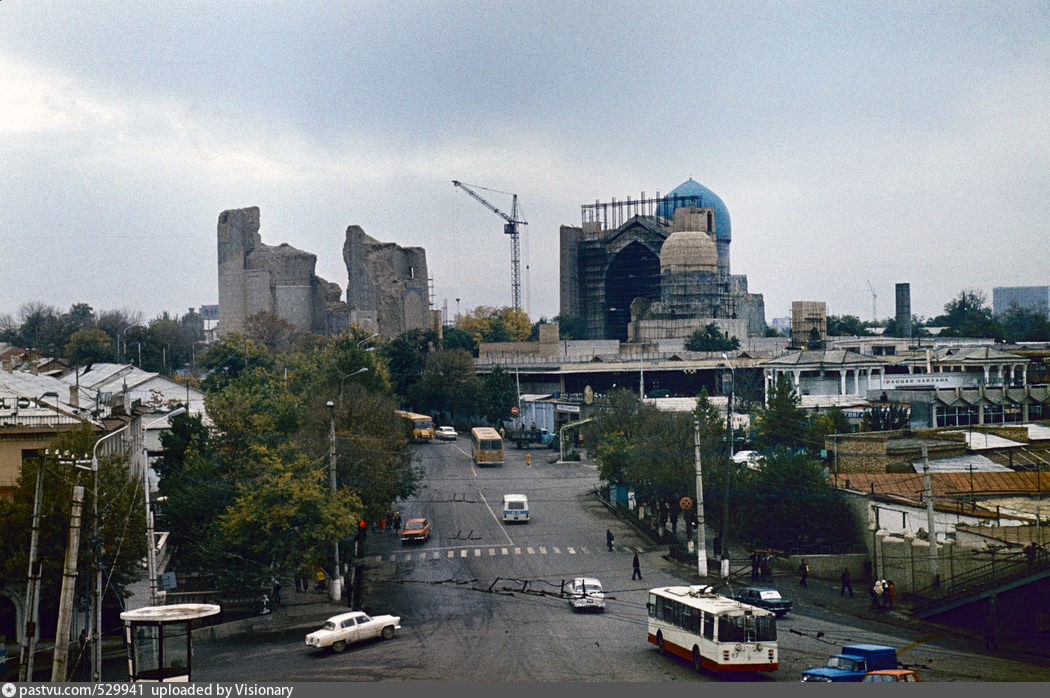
point(415, 531)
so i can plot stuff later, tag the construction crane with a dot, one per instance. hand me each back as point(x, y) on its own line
point(510, 228)
point(874, 317)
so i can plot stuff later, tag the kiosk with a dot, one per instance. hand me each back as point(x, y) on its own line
point(159, 642)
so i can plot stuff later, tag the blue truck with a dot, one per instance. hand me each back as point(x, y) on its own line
point(853, 663)
point(524, 438)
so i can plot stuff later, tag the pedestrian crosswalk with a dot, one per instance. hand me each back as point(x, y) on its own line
point(473, 552)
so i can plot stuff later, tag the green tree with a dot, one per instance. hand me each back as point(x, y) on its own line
point(787, 502)
point(888, 417)
point(846, 326)
point(968, 315)
point(87, 346)
point(406, 356)
point(823, 424)
point(780, 423)
point(499, 393)
point(448, 384)
point(121, 521)
point(455, 338)
point(1024, 325)
point(710, 338)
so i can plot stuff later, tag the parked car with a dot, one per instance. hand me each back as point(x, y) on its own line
point(345, 628)
point(445, 434)
point(764, 597)
point(906, 675)
point(585, 593)
point(415, 531)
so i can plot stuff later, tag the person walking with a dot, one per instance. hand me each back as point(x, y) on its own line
point(609, 538)
point(846, 583)
point(803, 572)
point(276, 591)
point(397, 520)
point(891, 594)
point(754, 565)
point(637, 574)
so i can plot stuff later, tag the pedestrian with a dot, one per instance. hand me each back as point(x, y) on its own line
point(875, 592)
point(304, 580)
point(264, 605)
point(276, 590)
point(319, 578)
point(767, 567)
point(298, 580)
point(803, 572)
point(846, 583)
point(754, 565)
point(891, 594)
point(1030, 553)
point(397, 520)
point(717, 546)
point(637, 569)
point(609, 538)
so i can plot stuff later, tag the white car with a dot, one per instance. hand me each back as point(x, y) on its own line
point(445, 434)
point(341, 630)
point(586, 593)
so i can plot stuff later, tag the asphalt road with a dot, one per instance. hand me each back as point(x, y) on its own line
point(480, 602)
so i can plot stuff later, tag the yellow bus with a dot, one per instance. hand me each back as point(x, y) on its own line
point(486, 446)
point(418, 427)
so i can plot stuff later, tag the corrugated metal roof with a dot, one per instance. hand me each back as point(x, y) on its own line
point(979, 441)
point(948, 485)
point(963, 463)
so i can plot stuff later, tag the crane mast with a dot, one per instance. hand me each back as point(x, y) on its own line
point(509, 228)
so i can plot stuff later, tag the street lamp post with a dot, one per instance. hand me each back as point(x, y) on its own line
point(729, 470)
point(336, 572)
point(150, 535)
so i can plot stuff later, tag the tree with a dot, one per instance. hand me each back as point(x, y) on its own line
point(823, 424)
point(499, 393)
point(846, 326)
point(486, 324)
point(87, 346)
point(455, 338)
point(1024, 325)
point(710, 338)
point(406, 355)
point(569, 327)
point(968, 315)
point(787, 502)
point(888, 417)
point(780, 423)
point(271, 330)
point(448, 384)
point(121, 521)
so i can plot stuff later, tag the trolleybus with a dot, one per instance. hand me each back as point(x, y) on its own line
point(418, 427)
point(486, 446)
point(714, 632)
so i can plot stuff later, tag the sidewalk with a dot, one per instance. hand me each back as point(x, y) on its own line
point(295, 608)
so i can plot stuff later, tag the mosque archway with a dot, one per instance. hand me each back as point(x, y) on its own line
point(633, 273)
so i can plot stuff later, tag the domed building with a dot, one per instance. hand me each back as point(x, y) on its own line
point(656, 268)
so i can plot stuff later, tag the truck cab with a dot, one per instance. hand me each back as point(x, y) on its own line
point(853, 663)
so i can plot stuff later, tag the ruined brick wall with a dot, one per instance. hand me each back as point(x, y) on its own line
point(387, 288)
point(254, 278)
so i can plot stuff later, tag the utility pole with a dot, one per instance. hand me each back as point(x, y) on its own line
point(332, 484)
point(934, 572)
point(728, 473)
point(25, 666)
point(701, 529)
point(65, 601)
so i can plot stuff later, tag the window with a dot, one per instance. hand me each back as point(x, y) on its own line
point(709, 626)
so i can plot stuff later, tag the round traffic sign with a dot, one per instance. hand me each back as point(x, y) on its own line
point(513, 410)
point(685, 503)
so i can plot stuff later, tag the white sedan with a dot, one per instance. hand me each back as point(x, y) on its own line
point(445, 434)
point(586, 593)
point(341, 630)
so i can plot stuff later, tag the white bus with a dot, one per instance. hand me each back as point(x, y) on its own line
point(713, 632)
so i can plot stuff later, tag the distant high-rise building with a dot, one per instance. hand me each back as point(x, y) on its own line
point(903, 310)
point(1034, 298)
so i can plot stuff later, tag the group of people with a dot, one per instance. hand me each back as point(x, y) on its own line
point(882, 594)
point(392, 521)
point(761, 566)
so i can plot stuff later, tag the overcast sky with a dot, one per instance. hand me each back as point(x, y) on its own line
point(852, 142)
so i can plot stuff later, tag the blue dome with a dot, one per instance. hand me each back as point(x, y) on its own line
point(692, 193)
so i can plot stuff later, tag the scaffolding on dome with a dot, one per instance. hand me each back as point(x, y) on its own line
point(613, 214)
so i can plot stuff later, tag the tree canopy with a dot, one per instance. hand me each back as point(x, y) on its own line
point(710, 338)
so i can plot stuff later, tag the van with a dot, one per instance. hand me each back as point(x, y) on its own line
point(515, 508)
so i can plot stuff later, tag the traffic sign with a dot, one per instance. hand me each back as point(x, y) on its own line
point(685, 503)
point(513, 410)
